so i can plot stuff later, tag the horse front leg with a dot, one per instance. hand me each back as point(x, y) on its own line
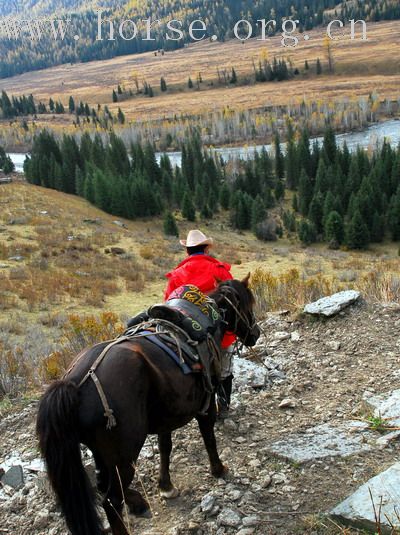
point(167, 489)
point(206, 425)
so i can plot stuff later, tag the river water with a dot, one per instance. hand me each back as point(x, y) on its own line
point(369, 137)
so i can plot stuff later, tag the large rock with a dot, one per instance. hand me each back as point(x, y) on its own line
point(325, 441)
point(248, 373)
point(329, 306)
point(386, 406)
point(382, 491)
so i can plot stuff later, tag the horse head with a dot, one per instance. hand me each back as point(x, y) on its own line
point(236, 298)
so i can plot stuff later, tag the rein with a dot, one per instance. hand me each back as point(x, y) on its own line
point(239, 314)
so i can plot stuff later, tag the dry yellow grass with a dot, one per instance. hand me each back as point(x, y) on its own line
point(60, 274)
point(67, 271)
point(361, 68)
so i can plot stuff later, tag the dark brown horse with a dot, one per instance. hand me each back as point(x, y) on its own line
point(148, 394)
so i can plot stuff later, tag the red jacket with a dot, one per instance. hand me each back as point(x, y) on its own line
point(202, 271)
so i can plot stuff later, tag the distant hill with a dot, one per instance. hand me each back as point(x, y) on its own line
point(24, 54)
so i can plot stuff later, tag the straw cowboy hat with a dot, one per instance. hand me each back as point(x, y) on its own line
point(195, 238)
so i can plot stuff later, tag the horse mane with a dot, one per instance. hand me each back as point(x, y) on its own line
point(245, 294)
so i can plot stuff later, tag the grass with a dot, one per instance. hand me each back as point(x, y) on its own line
point(67, 271)
point(360, 69)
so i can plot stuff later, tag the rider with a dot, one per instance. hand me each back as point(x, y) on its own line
point(205, 271)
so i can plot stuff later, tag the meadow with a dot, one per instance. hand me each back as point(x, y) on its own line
point(71, 274)
point(361, 70)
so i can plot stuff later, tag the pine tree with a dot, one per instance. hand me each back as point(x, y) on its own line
point(291, 164)
point(329, 145)
point(295, 203)
point(305, 193)
point(279, 190)
point(8, 166)
point(163, 84)
point(307, 232)
point(121, 116)
point(114, 96)
point(394, 216)
point(224, 196)
point(206, 213)
point(315, 213)
point(258, 212)
point(279, 159)
point(188, 210)
point(334, 228)
point(319, 67)
point(357, 232)
point(378, 228)
point(71, 105)
point(190, 83)
point(88, 188)
point(170, 226)
point(233, 79)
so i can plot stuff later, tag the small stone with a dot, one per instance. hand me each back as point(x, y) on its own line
point(295, 336)
point(282, 335)
point(229, 517)
point(230, 425)
point(41, 520)
point(117, 251)
point(266, 482)
point(119, 224)
point(14, 477)
point(245, 531)
point(235, 495)
point(252, 520)
point(333, 344)
point(288, 403)
point(207, 503)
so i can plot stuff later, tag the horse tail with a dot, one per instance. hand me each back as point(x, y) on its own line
point(57, 430)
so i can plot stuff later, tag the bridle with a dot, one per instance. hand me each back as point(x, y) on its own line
point(238, 314)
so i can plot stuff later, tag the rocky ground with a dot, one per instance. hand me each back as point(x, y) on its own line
point(308, 372)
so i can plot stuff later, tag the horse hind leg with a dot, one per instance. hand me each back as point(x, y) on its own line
point(118, 494)
point(167, 489)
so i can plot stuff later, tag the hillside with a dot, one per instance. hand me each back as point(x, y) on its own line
point(245, 111)
point(315, 375)
point(23, 54)
point(61, 256)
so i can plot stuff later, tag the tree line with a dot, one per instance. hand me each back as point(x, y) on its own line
point(13, 107)
point(23, 54)
point(342, 198)
point(338, 197)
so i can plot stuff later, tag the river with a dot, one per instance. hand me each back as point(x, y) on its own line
point(365, 138)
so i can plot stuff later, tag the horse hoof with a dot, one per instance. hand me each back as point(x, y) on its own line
point(220, 472)
point(145, 514)
point(169, 494)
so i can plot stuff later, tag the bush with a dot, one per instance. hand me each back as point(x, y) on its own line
point(267, 230)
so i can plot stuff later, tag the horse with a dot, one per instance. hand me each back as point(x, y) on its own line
point(148, 394)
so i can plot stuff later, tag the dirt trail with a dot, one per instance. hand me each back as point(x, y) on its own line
point(322, 367)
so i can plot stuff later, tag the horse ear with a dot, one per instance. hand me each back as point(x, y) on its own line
point(246, 280)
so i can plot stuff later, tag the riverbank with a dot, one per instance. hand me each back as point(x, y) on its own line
point(366, 138)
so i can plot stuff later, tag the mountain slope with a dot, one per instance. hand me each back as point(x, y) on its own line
point(24, 54)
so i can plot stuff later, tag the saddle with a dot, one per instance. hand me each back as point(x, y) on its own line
point(184, 327)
